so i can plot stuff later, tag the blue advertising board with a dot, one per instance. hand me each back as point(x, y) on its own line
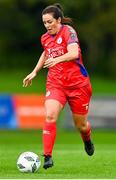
point(7, 112)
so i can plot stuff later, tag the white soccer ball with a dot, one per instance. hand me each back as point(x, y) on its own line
point(28, 162)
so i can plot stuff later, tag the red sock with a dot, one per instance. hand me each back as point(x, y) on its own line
point(86, 135)
point(49, 135)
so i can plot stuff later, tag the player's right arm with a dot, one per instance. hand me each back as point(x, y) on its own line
point(28, 79)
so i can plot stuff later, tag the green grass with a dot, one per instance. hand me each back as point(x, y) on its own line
point(103, 86)
point(11, 82)
point(70, 160)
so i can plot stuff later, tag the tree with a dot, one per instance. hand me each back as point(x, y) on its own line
point(21, 29)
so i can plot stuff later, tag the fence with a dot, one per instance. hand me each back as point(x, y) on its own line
point(22, 111)
point(102, 113)
point(27, 111)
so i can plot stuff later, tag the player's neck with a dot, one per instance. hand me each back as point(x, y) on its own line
point(58, 30)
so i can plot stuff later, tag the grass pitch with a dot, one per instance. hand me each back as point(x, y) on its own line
point(70, 159)
point(12, 83)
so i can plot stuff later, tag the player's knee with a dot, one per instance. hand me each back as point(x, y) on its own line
point(50, 116)
point(82, 127)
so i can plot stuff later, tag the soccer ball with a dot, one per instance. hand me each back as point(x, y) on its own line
point(28, 162)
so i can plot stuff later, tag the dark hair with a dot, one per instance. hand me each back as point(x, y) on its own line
point(57, 11)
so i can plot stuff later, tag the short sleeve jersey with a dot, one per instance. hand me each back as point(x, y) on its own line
point(67, 73)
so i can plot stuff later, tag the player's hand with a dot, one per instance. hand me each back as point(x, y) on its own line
point(28, 79)
point(49, 62)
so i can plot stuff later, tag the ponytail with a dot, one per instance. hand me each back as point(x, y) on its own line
point(66, 20)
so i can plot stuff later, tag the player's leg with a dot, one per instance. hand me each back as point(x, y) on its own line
point(55, 101)
point(79, 103)
point(85, 130)
point(53, 107)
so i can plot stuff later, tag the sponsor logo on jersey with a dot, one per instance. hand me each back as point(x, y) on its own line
point(59, 40)
point(46, 44)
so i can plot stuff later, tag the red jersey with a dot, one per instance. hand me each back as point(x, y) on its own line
point(69, 73)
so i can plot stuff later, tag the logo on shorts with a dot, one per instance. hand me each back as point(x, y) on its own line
point(86, 106)
point(47, 93)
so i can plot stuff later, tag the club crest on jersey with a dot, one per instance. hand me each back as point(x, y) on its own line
point(59, 40)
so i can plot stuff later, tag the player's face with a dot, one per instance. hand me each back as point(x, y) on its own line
point(51, 24)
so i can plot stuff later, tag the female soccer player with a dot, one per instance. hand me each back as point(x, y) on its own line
point(67, 79)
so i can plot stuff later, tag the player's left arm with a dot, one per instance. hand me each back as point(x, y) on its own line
point(72, 53)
